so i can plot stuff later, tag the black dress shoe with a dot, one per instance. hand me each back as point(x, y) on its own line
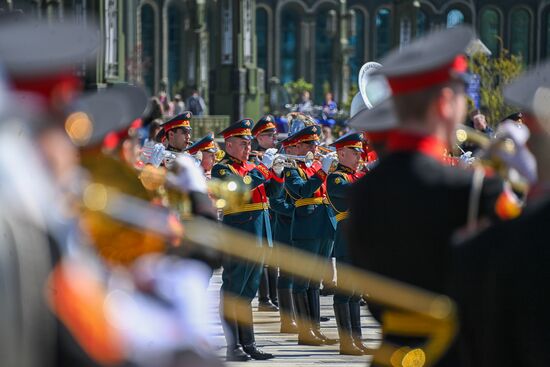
point(267, 306)
point(236, 355)
point(256, 353)
point(324, 318)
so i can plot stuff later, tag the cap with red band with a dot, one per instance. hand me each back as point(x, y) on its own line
point(58, 88)
point(266, 123)
point(353, 141)
point(428, 61)
point(205, 144)
point(411, 83)
point(40, 57)
point(241, 129)
point(307, 134)
point(181, 120)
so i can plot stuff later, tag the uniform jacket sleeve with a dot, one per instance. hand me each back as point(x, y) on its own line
point(299, 187)
point(280, 205)
point(274, 187)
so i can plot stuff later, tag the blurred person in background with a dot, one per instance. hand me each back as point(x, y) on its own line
point(195, 103)
point(178, 105)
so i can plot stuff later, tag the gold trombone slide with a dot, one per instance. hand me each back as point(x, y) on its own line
point(412, 311)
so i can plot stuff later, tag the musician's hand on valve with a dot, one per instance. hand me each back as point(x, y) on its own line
point(327, 162)
point(157, 155)
point(187, 176)
point(269, 157)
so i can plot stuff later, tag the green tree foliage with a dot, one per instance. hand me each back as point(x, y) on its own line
point(296, 88)
point(495, 73)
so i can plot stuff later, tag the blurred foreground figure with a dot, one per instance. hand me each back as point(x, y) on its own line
point(501, 276)
point(60, 305)
point(404, 212)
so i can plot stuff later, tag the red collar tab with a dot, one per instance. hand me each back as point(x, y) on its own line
point(429, 145)
point(403, 84)
point(58, 89)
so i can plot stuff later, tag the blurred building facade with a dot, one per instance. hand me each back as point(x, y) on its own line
point(229, 49)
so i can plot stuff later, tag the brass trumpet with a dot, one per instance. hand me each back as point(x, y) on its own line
point(289, 160)
point(256, 153)
point(332, 153)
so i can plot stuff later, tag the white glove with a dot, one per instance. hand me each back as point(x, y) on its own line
point(268, 157)
point(189, 176)
point(327, 162)
point(278, 166)
point(467, 159)
point(157, 155)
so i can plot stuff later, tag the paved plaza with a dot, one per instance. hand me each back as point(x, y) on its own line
point(285, 346)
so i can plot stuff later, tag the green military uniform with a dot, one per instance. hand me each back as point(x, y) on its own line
point(283, 210)
point(241, 279)
point(338, 184)
point(346, 306)
point(267, 292)
point(312, 230)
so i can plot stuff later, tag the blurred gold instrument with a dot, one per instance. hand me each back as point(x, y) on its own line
point(409, 311)
point(489, 158)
